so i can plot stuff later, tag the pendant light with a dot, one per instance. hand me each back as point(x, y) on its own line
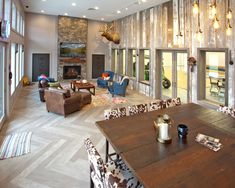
point(195, 7)
point(199, 31)
point(212, 10)
point(229, 12)
point(179, 30)
point(229, 17)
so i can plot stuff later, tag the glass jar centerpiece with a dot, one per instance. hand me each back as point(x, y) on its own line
point(163, 128)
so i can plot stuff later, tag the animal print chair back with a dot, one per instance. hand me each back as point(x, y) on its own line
point(171, 102)
point(137, 109)
point(155, 105)
point(115, 113)
point(111, 174)
point(227, 110)
point(119, 176)
point(96, 164)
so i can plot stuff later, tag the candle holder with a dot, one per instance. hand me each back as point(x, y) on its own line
point(163, 126)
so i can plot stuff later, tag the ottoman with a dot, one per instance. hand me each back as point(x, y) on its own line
point(86, 97)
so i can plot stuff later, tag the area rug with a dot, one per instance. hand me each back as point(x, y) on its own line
point(107, 99)
point(15, 145)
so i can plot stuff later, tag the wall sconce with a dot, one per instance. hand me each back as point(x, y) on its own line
point(195, 7)
point(229, 30)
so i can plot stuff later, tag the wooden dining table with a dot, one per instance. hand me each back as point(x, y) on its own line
point(182, 163)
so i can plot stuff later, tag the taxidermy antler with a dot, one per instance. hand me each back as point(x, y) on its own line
point(109, 34)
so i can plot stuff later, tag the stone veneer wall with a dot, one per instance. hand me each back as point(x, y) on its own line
point(74, 30)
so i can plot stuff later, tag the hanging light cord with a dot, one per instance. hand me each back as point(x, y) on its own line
point(198, 19)
point(179, 17)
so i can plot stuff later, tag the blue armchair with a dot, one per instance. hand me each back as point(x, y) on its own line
point(119, 88)
point(104, 83)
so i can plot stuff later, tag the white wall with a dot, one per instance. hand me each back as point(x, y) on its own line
point(40, 37)
point(96, 45)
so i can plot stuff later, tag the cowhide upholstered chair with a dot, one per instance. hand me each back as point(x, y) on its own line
point(155, 105)
point(113, 114)
point(108, 175)
point(137, 109)
point(171, 102)
point(227, 110)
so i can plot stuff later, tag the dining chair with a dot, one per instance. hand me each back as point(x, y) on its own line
point(171, 102)
point(137, 109)
point(108, 175)
point(227, 110)
point(155, 105)
point(113, 114)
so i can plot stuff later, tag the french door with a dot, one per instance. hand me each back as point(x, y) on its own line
point(2, 91)
point(174, 76)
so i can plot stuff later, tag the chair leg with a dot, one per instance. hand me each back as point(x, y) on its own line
point(91, 181)
point(106, 150)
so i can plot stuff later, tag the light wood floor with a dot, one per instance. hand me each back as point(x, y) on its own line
point(57, 158)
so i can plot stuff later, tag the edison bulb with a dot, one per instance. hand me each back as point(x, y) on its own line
point(229, 14)
point(216, 23)
point(229, 30)
point(199, 35)
point(213, 10)
point(195, 8)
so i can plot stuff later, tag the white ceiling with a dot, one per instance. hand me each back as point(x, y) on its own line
point(107, 8)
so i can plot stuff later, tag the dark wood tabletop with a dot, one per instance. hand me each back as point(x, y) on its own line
point(181, 163)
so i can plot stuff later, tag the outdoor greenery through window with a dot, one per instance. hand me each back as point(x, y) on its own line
point(133, 63)
point(146, 64)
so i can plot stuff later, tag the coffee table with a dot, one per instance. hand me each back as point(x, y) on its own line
point(76, 85)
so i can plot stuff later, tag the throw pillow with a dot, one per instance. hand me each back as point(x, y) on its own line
point(104, 75)
point(55, 85)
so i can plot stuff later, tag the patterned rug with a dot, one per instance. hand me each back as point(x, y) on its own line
point(15, 145)
point(107, 99)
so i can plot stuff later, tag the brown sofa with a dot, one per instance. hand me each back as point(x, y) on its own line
point(61, 102)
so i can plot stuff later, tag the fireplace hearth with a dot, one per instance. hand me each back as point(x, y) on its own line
point(71, 72)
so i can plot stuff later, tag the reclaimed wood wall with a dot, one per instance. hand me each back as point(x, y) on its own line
point(157, 27)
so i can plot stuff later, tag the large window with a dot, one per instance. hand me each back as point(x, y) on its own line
point(144, 63)
point(1, 81)
point(1, 8)
point(213, 76)
point(17, 65)
point(122, 61)
point(13, 16)
point(13, 67)
point(7, 10)
point(114, 65)
point(132, 63)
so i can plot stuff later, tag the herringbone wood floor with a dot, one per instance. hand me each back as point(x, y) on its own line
point(57, 158)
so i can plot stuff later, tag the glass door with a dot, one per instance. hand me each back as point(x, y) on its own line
point(2, 105)
point(167, 70)
point(174, 75)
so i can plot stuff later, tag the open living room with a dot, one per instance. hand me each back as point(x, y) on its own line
point(117, 94)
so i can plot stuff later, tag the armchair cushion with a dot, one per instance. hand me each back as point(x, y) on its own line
point(119, 88)
point(106, 77)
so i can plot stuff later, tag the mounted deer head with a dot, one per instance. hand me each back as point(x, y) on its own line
point(109, 34)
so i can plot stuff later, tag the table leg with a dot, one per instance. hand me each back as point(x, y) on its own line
point(106, 151)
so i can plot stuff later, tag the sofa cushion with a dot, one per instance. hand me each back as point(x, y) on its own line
point(66, 92)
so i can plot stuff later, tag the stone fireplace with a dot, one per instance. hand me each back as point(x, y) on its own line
point(72, 37)
point(71, 72)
